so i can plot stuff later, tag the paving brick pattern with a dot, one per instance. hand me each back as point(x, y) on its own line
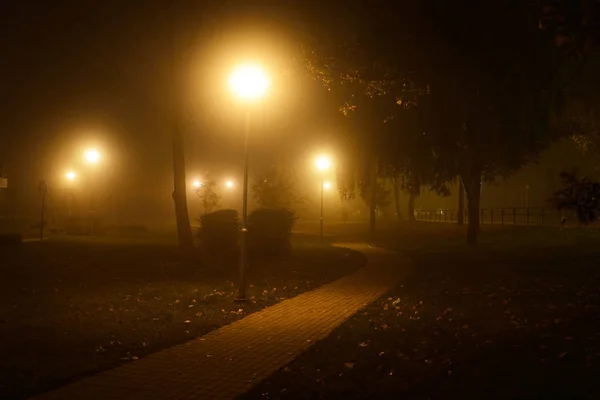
point(227, 362)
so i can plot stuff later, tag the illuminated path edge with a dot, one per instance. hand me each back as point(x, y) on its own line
point(229, 361)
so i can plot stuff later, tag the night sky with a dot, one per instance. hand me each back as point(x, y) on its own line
point(97, 72)
point(79, 73)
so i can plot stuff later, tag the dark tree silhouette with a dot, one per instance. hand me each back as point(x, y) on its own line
point(485, 93)
point(275, 189)
point(579, 195)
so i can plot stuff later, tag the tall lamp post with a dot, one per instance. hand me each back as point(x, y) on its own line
point(70, 176)
point(323, 163)
point(250, 84)
point(92, 157)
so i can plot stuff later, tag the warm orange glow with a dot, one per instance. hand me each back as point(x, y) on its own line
point(323, 163)
point(229, 184)
point(249, 82)
point(71, 176)
point(326, 185)
point(92, 156)
point(197, 183)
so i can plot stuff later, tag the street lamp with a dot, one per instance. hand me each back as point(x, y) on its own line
point(249, 83)
point(92, 157)
point(197, 183)
point(70, 176)
point(323, 163)
point(229, 184)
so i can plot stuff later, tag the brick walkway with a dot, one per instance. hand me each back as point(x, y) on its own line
point(227, 362)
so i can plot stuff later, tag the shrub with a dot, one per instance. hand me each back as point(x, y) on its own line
point(269, 232)
point(219, 232)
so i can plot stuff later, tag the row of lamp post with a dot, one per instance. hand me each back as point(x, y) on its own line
point(250, 84)
point(197, 183)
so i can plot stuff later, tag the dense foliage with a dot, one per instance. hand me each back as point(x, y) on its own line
point(208, 193)
point(269, 232)
point(219, 232)
point(439, 89)
point(275, 189)
point(579, 195)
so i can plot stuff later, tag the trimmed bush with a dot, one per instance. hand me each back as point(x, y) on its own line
point(219, 232)
point(269, 232)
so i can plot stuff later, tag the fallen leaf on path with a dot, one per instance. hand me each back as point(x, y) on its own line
point(349, 365)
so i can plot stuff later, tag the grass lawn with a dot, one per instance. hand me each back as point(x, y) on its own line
point(72, 307)
point(516, 317)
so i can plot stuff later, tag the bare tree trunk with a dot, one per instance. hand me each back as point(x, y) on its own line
point(176, 111)
point(396, 186)
point(182, 218)
point(473, 189)
point(460, 216)
point(411, 206)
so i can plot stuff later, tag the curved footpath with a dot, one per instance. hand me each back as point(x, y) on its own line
point(227, 362)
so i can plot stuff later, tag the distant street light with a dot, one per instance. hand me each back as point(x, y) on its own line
point(229, 184)
point(71, 176)
point(197, 183)
point(323, 163)
point(248, 83)
point(92, 157)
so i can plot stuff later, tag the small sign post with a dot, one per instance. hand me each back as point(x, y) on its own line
point(43, 188)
